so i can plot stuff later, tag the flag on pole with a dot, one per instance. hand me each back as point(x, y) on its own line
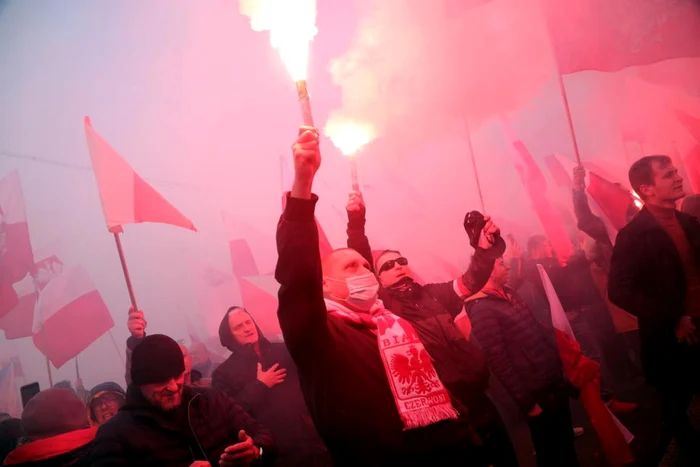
point(216, 291)
point(616, 202)
point(10, 401)
point(70, 316)
point(536, 186)
point(16, 257)
point(126, 197)
point(609, 35)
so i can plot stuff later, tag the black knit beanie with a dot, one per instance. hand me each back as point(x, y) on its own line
point(156, 359)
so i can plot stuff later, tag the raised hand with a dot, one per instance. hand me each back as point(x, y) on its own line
point(307, 160)
point(355, 202)
point(136, 323)
point(273, 376)
point(487, 238)
point(579, 177)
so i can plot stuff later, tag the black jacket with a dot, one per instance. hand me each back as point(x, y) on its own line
point(520, 352)
point(206, 424)
point(281, 408)
point(340, 369)
point(647, 280)
point(431, 309)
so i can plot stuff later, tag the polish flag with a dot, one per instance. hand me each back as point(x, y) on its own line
point(126, 197)
point(16, 257)
point(613, 435)
point(70, 316)
point(536, 186)
point(260, 300)
point(216, 291)
point(251, 249)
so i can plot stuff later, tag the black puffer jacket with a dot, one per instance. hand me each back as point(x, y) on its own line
point(280, 408)
point(521, 353)
point(206, 424)
point(431, 309)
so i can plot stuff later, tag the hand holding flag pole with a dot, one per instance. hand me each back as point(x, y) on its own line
point(126, 198)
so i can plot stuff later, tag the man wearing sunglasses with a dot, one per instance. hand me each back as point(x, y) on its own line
point(431, 309)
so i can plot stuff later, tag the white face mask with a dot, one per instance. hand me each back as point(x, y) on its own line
point(363, 290)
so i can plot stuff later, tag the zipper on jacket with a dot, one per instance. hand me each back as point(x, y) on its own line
point(189, 422)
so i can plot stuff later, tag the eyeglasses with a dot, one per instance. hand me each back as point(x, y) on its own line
point(392, 262)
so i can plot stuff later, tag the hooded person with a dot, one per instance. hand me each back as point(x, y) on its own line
point(261, 377)
point(104, 402)
point(56, 430)
point(165, 422)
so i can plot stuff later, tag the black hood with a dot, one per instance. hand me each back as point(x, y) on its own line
point(226, 337)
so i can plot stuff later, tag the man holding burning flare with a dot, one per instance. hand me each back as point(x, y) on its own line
point(372, 389)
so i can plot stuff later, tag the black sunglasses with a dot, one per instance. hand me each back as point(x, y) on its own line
point(392, 262)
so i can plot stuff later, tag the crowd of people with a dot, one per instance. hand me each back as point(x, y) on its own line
point(375, 370)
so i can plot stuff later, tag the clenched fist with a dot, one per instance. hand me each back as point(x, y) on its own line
point(136, 323)
point(307, 160)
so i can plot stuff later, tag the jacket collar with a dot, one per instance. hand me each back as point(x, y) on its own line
point(51, 447)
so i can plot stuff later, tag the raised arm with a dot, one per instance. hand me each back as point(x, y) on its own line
point(587, 222)
point(357, 240)
point(488, 246)
point(302, 312)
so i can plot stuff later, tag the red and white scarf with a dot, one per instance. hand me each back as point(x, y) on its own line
point(419, 395)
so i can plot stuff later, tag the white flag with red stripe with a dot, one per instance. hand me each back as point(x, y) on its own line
point(126, 197)
point(70, 315)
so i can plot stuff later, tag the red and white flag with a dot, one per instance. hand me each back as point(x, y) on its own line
point(260, 300)
point(126, 197)
point(216, 291)
point(609, 35)
point(10, 401)
point(16, 257)
point(70, 315)
point(536, 186)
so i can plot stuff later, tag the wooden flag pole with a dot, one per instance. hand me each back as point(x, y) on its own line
point(569, 119)
point(77, 368)
point(48, 370)
point(125, 269)
point(468, 137)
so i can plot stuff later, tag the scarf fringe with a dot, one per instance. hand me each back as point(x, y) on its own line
point(428, 415)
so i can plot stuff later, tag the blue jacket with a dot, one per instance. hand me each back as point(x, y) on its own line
point(520, 352)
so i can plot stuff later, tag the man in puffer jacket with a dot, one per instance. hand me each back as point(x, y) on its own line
point(523, 355)
point(57, 432)
point(104, 402)
point(261, 377)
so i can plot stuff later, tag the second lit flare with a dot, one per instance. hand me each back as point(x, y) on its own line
point(350, 136)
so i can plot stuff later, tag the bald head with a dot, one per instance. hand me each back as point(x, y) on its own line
point(338, 266)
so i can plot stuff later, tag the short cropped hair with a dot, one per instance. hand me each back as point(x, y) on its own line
point(642, 172)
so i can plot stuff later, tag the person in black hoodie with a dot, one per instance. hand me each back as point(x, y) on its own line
point(262, 377)
point(370, 385)
point(431, 309)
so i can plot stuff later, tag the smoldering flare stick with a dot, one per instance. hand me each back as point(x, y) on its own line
point(304, 103)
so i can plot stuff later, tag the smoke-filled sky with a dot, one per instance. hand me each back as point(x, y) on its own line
point(202, 108)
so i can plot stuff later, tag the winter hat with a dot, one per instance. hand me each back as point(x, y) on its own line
point(102, 389)
point(53, 412)
point(156, 359)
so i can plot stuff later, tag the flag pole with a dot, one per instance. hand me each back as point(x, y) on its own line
point(468, 137)
point(43, 337)
point(116, 347)
point(77, 368)
point(569, 119)
point(125, 269)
